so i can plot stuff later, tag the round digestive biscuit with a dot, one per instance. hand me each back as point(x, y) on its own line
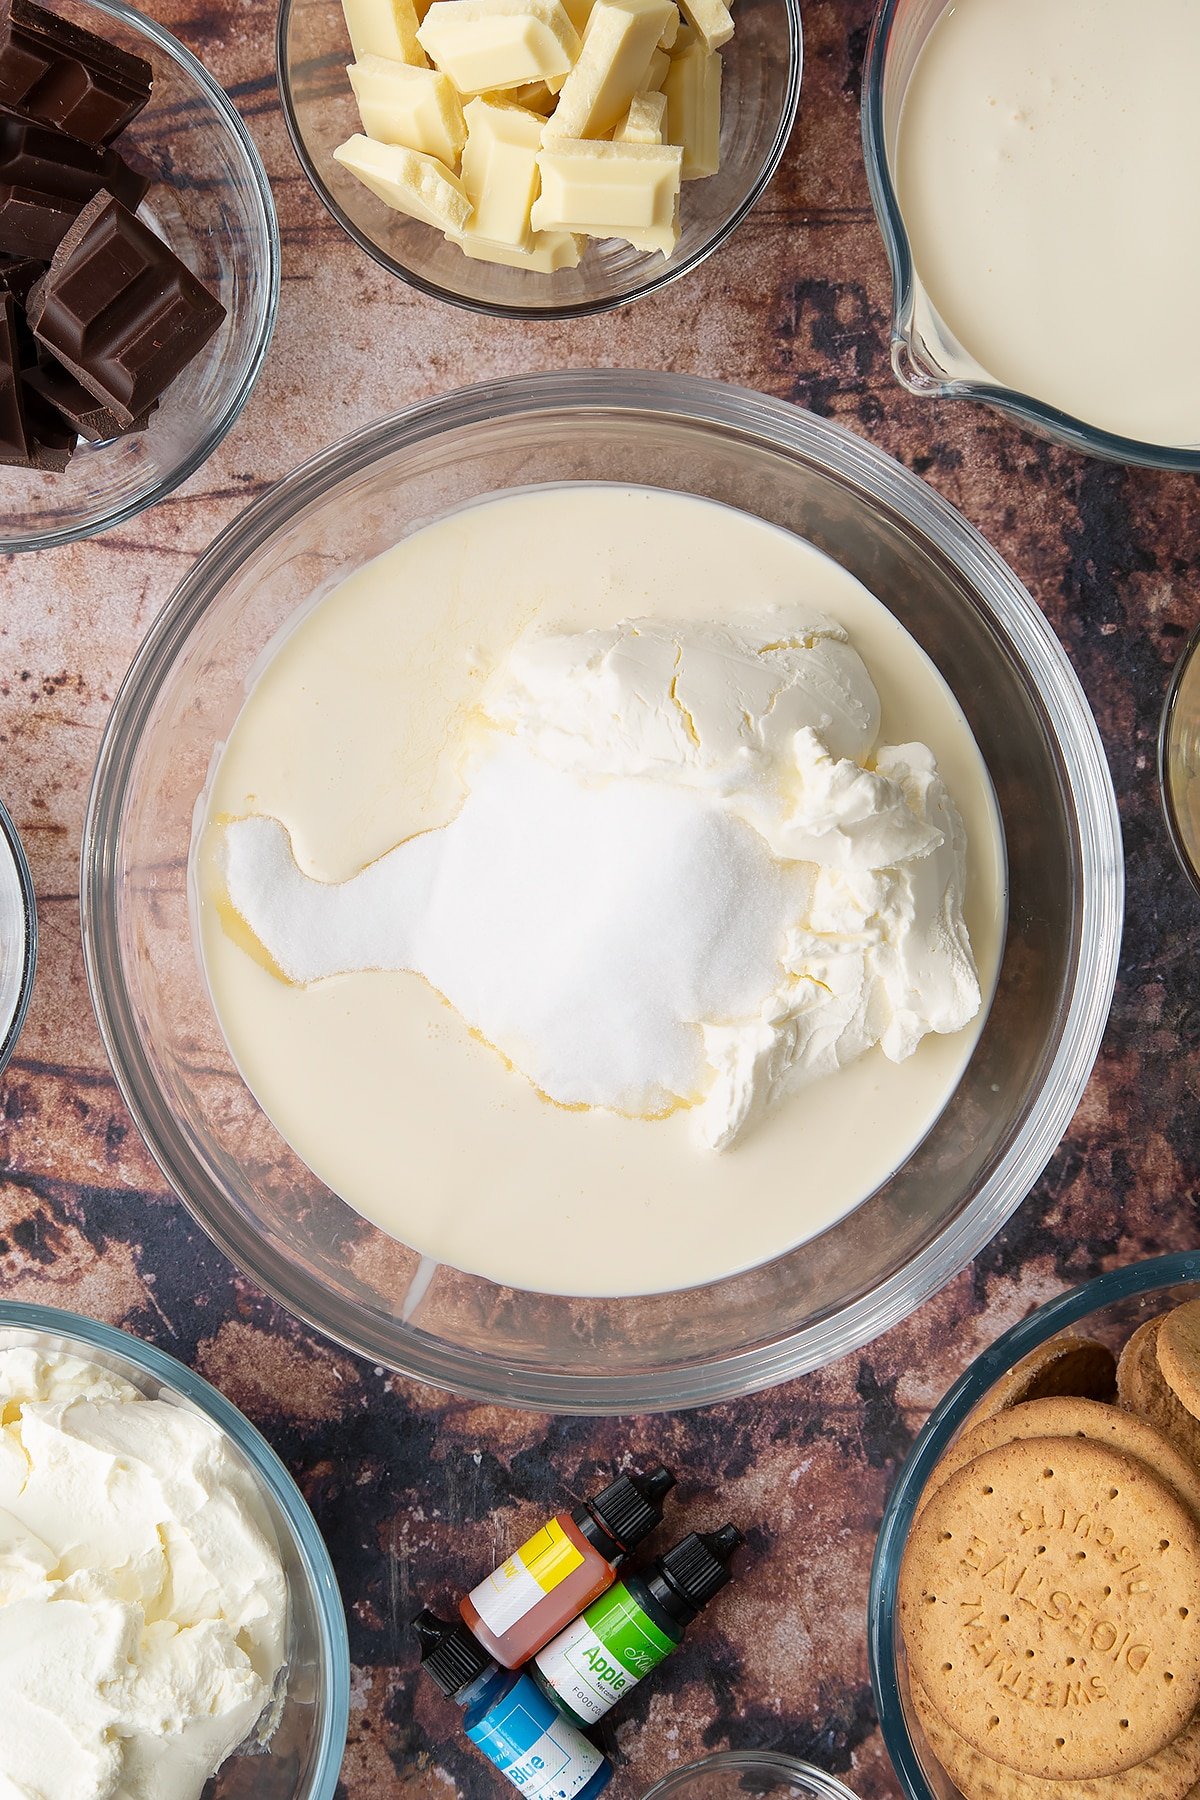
point(1171, 1775)
point(1065, 1418)
point(1065, 1366)
point(1142, 1388)
point(1050, 1606)
point(1178, 1347)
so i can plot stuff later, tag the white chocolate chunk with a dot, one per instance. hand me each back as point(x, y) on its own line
point(661, 237)
point(671, 32)
point(384, 28)
point(644, 122)
point(494, 44)
point(408, 182)
point(418, 108)
point(609, 190)
point(711, 18)
point(621, 38)
point(693, 90)
point(534, 95)
point(499, 170)
point(656, 74)
point(546, 251)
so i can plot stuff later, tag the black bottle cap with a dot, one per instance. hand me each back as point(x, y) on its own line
point(449, 1654)
point(630, 1507)
point(696, 1569)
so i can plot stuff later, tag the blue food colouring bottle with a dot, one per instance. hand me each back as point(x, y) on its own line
point(509, 1719)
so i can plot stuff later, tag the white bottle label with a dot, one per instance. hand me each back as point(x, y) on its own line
point(525, 1578)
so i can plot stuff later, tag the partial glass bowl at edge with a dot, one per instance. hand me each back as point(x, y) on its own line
point(1021, 698)
point(761, 70)
point(18, 937)
point(1109, 1308)
point(748, 1775)
point(304, 1756)
point(212, 202)
point(924, 353)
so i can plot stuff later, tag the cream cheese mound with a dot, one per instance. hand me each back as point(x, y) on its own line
point(143, 1606)
point(685, 874)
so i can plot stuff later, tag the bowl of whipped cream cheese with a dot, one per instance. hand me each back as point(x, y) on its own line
point(1025, 163)
point(170, 1623)
point(602, 892)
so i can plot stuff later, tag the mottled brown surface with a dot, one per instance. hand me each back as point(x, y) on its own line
point(413, 1488)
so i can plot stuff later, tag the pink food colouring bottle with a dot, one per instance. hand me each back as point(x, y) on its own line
point(566, 1565)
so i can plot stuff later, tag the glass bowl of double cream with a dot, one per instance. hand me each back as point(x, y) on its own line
point(602, 892)
point(170, 1623)
point(467, 191)
point(1025, 163)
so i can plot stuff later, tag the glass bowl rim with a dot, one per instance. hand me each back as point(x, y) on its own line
point(1170, 815)
point(220, 104)
point(1046, 1321)
point(1048, 420)
point(269, 1469)
point(754, 1762)
point(8, 831)
point(887, 485)
point(576, 309)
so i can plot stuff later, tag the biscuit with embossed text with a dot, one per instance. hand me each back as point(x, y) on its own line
point(1049, 1599)
point(1178, 1348)
point(1067, 1365)
point(1074, 1418)
point(1143, 1388)
point(1171, 1775)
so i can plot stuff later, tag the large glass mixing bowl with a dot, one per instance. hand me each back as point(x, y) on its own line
point(952, 592)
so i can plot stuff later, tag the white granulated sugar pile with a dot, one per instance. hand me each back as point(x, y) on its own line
point(671, 881)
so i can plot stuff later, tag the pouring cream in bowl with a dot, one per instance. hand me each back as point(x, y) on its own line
point(1042, 155)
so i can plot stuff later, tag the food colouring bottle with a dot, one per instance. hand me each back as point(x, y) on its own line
point(569, 1563)
point(517, 1728)
point(631, 1629)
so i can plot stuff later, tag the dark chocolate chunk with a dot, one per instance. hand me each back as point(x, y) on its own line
point(15, 447)
point(88, 417)
point(63, 75)
point(47, 178)
point(52, 440)
point(119, 309)
point(17, 276)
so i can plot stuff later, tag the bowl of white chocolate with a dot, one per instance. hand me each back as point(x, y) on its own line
point(540, 158)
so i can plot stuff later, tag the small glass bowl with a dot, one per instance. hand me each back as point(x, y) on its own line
point(1109, 1308)
point(748, 1775)
point(926, 358)
point(212, 203)
point(656, 1351)
point(1179, 759)
point(760, 93)
point(304, 1755)
point(18, 937)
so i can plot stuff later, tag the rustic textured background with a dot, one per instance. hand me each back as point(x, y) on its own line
point(415, 1490)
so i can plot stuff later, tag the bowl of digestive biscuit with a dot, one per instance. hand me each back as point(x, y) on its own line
point(1034, 1625)
point(539, 158)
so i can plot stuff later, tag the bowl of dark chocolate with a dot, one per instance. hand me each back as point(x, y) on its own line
point(139, 267)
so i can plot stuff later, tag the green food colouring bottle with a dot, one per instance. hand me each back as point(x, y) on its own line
point(627, 1632)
